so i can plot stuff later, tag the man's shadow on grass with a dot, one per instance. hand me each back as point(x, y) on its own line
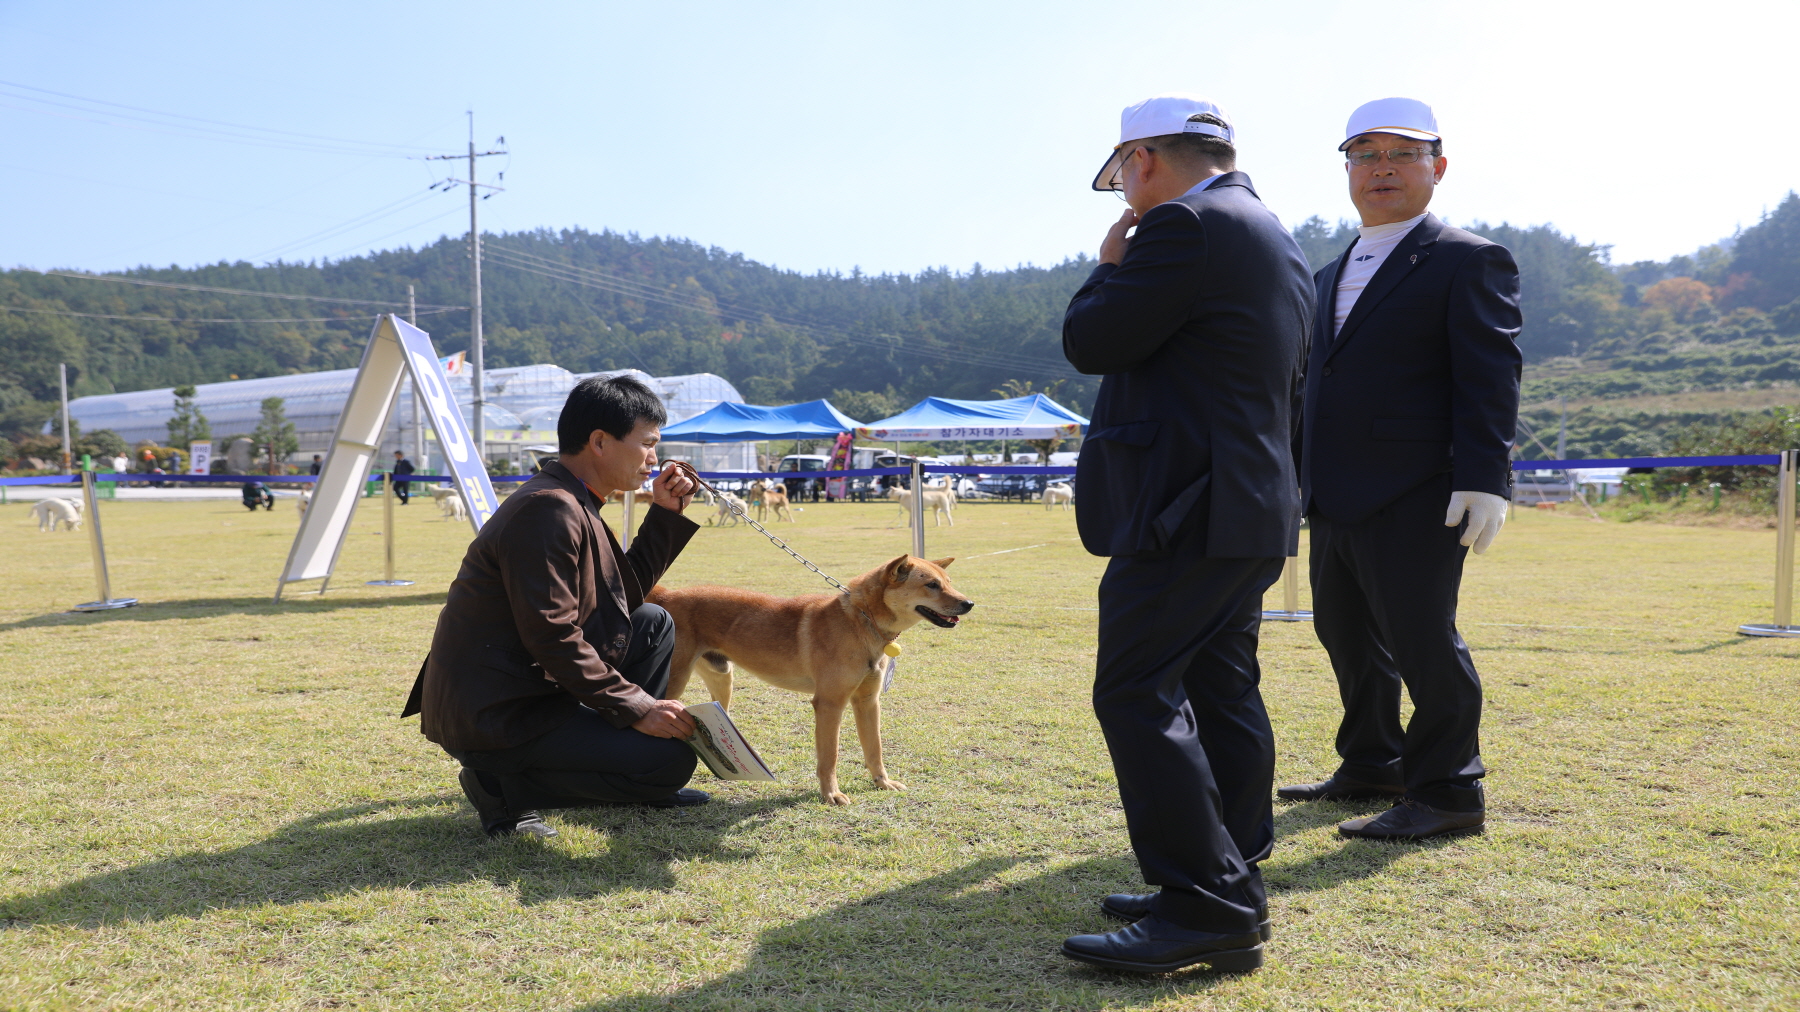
point(207, 607)
point(963, 939)
point(1348, 861)
point(384, 846)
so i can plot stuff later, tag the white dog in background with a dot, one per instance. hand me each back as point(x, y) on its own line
point(1057, 492)
point(940, 500)
point(453, 507)
point(305, 500)
point(726, 516)
point(50, 512)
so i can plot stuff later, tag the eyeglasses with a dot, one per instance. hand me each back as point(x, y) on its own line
point(1398, 156)
point(1118, 179)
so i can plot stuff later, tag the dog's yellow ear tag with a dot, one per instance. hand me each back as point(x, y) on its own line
point(892, 649)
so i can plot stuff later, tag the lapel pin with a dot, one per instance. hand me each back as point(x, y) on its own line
point(1413, 259)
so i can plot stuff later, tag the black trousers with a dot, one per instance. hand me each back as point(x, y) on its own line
point(402, 491)
point(587, 761)
point(1384, 606)
point(1176, 693)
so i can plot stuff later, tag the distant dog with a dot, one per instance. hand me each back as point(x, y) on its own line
point(453, 507)
point(50, 512)
point(305, 500)
point(766, 495)
point(727, 516)
point(830, 646)
point(937, 500)
point(1058, 492)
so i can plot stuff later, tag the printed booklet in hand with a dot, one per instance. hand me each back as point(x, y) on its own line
point(722, 746)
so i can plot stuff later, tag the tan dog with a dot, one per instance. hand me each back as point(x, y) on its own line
point(773, 496)
point(829, 646)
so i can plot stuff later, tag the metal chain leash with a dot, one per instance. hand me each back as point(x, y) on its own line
point(687, 469)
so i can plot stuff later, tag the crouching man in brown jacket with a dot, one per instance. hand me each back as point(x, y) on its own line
point(547, 671)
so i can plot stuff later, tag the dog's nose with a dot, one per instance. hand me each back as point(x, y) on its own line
point(967, 606)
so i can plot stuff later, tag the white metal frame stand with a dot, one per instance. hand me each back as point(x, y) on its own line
point(1784, 554)
point(91, 507)
point(918, 510)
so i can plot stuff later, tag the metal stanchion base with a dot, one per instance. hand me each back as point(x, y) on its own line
point(387, 583)
point(1287, 616)
point(110, 604)
point(1768, 629)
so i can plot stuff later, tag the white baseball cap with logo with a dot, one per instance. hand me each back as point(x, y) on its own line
point(1406, 117)
point(1160, 116)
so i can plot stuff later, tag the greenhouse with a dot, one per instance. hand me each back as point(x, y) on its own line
point(522, 406)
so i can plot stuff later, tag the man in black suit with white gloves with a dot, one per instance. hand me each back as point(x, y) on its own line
point(1412, 393)
point(1198, 324)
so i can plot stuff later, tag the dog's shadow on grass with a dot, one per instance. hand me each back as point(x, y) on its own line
point(419, 843)
point(208, 607)
point(975, 937)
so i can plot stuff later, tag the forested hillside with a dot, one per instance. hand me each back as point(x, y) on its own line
point(1727, 317)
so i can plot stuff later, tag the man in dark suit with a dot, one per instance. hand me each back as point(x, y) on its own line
point(1198, 324)
point(547, 671)
point(402, 468)
point(1412, 392)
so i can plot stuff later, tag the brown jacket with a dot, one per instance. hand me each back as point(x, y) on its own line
point(538, 616)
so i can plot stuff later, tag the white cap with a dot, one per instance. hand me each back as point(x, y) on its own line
point(1160, 116)
point(1407, 117)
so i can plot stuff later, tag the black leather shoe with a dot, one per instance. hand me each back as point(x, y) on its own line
point(1136, 907)
point(687, 797)
point(1154, 945)
point(1412, 820)
point(1338, 788)
point(496, 821)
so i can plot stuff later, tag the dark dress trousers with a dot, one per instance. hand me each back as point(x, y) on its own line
point(545, 653)
point(402, 487)
point(1414, 399)
point(1187, 481)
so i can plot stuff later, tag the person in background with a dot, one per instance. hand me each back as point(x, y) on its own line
point(1412, 395)
point(1198, 325)
point(317, 463)
point(402, 467)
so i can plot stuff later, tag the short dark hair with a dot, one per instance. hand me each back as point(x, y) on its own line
point(610, 404)
point(1188, 148)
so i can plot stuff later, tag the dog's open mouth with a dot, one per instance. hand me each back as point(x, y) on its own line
point(937, 618)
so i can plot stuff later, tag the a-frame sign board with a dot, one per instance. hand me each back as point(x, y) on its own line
point(396, 349)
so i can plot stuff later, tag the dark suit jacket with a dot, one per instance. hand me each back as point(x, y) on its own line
point(1423, 379)
point(1201, 334)
point(538, 617)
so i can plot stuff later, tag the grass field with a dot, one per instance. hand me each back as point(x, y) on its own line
point(208, 802)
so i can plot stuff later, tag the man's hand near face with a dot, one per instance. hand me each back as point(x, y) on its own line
point(667, 719)
point(672, 490)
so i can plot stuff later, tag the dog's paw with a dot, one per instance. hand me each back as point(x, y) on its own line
point(889, 785)
point(836, 798)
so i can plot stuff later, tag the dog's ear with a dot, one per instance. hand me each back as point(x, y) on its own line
point(898, 570)
point(943, 563)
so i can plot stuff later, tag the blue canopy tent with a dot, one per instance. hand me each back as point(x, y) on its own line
point(936, 418)
point(726, 422)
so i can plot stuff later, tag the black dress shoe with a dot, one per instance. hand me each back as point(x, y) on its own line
point(1412, 820)
point(496, 821)
point(1338, 788)
point(687, 797)
point(1136, 907)
point(1154, 945)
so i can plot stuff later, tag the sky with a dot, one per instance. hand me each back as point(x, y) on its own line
point(885, 137)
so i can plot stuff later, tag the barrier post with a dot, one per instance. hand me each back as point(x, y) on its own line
point(1290, 592)
point(1784, 553)
point(918, 509)
point(97, 546)
point(387, 534)
point(627, 518)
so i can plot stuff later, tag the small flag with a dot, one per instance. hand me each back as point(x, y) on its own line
point(453, 364)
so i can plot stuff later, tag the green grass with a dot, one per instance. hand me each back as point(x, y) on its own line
point(207, 801)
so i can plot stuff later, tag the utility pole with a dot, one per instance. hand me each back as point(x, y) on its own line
point(480, 429)
point(1562, 433)
point(412, 317)
point(62, 375)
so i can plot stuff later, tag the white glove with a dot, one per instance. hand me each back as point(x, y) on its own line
point(1487, 514)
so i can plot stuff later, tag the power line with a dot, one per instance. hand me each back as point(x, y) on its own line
point(405, 203)
point(234, 291)
point(207, 129)
point(194, 319)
